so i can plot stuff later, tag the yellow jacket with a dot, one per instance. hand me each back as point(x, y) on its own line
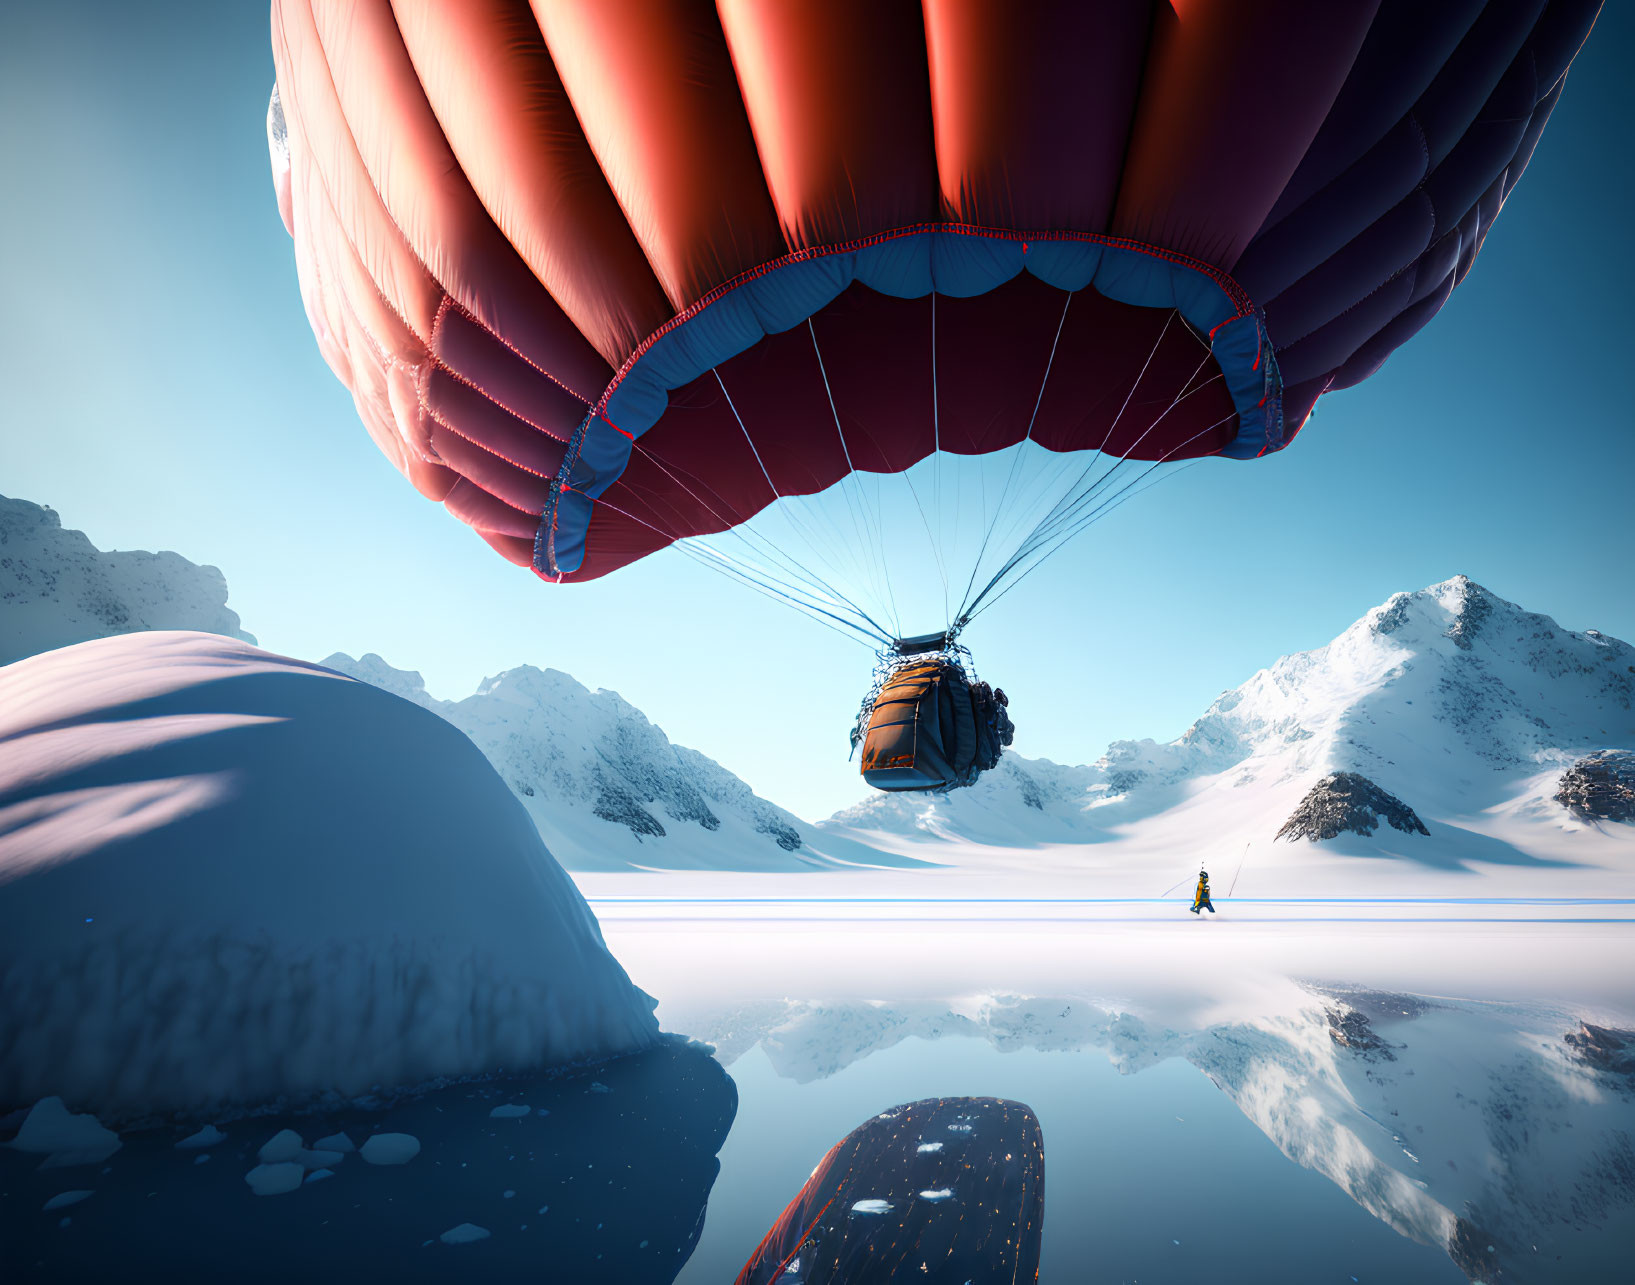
point(1202, 894)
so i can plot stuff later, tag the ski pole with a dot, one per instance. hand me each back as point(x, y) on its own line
point(1174, 886)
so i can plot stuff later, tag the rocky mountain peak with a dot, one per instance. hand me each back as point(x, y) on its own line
point(1345, 803)
point(1469, 604)
point(1600, 786)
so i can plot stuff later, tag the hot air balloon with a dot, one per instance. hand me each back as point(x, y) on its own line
point(610, 276)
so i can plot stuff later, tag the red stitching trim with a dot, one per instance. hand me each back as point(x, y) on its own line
point(457, 377)
point(448, 300)
point(503, 342)
point(422, 377)
point(488, 450)
point(340, 111)
point(384, 360)
point(805, 1236)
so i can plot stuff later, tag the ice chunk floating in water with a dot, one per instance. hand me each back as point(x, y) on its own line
point(390, 1149)
point(63, 1199)
point(275, 1179)
point(66, 1139)
point(208, 1136)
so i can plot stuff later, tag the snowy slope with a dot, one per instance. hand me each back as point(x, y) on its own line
point(1464, 706)
point(227, 877)
point(57, 588)
point(608, 790)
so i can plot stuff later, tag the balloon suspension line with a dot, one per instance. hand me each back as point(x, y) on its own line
point(775, 572)
point(755, 578)
point(833, 539)
point(1095, 462)
point(1072, 513)
point(1239, 871)
point(908, 479)
point(1041, 552)
point(817, 599)
point(875, 537)
point(964, 615)
point(936, 472)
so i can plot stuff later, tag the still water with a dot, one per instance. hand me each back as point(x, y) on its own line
point(1155, 1177)
point(1220, 1120)
point(1349, 1097)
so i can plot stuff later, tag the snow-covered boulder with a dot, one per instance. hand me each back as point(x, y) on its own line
point(57, 588)
point(228, 877)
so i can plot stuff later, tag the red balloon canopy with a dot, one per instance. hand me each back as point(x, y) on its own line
point(604, 274)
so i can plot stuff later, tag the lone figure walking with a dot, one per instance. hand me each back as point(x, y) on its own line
point(1200, 900)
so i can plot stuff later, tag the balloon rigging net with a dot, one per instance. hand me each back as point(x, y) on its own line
point(949, 537)
point(928, 723)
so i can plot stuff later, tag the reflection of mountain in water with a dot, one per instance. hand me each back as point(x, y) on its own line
point(1480, 1129)
point(602, 1176)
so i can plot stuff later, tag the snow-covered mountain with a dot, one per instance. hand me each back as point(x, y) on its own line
point(1463, 706)
point(607, 789)
point(57, 588)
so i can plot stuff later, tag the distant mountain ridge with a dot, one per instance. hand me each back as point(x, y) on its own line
point(57, 588)
point(1466, 709)
point(607, 789)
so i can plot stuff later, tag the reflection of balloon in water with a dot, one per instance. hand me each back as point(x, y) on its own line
point(605, 275)
point(944, 1190)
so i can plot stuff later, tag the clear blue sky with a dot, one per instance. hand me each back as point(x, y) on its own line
point(162, 391)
